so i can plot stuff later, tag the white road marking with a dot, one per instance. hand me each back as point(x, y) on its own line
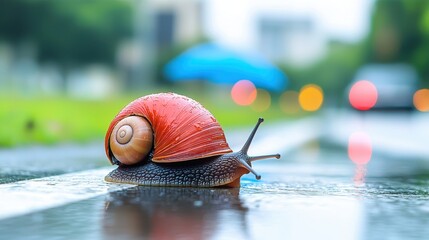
point(28, 196)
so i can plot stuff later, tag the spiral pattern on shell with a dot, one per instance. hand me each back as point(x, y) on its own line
point(131, 140)
point(183, 129)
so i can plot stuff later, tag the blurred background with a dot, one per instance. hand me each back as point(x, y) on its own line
point(67, 67)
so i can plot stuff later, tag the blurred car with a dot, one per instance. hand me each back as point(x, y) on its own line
point(395, 85)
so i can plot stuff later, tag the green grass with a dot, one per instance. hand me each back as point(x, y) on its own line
point(50, 120)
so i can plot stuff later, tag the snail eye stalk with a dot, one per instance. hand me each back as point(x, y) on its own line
point(246, 146)
point(245, 162)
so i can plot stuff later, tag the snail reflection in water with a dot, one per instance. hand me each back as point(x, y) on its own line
point(172, 213)
point(168, 139)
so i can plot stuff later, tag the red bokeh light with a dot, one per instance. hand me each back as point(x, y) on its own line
point(359, 148)
point(363, 95)
point(244, 92)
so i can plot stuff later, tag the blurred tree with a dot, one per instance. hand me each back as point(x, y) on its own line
point(69, 32)
point(400, 33)
point(333, 73)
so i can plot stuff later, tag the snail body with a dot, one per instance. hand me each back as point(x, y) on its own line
point(168, 139)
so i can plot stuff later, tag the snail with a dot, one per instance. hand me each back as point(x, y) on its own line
point(167, 139)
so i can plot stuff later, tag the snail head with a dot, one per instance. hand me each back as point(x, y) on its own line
point(245, 160)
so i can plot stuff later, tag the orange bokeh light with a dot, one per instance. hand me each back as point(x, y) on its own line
point(243, 92)
point(360, 148)
point(421, 100)
point(363, 95)
point(311, 97)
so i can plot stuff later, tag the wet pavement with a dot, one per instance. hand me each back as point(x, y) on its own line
point(314, 191)
point(29, 162)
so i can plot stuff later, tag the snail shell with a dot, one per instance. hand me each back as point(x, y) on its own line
point(171, 127)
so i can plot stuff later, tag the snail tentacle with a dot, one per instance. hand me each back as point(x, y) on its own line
point(246, 160)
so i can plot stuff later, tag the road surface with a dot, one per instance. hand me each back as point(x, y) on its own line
point(313, 191)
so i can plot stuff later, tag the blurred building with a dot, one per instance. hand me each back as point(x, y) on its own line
point(289, 40)
point(292, 32)
point(175, 22)
point(288, 32)
point(21, 73)
point(160, 25)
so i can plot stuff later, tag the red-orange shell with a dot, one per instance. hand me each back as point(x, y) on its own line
point(183, 129)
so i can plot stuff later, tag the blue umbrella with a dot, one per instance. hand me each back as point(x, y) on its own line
point(221, 65)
